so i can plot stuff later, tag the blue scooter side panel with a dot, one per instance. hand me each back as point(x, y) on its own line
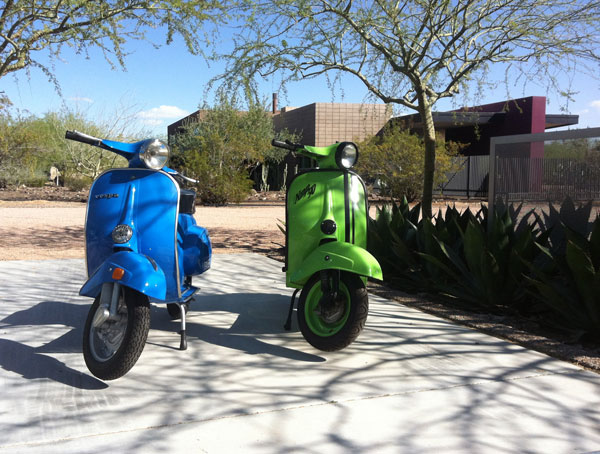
point(196, 248)
point(147, 200)
point(140, 275)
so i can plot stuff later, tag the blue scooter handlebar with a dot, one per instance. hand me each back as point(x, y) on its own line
point(84, 138)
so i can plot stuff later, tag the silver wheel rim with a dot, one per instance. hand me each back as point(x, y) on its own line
point(106, 339)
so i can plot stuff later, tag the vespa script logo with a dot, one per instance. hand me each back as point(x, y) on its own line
point(106, 196)
point(307, 191)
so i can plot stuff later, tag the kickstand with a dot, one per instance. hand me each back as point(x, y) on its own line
point(288, 322)
point(183, 343)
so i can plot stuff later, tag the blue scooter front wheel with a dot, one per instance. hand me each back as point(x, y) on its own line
point(111, 346)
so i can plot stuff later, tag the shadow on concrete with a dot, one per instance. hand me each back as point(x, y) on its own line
point(442, 382)
point(257, 314)
point(32, 362)
point(54, 313)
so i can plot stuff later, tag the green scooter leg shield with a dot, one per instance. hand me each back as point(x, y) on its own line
point(326, 242)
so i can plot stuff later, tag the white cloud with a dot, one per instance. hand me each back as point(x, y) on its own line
point(595, 104)
point(81, 99)
point(157, 114)
point(152, 121)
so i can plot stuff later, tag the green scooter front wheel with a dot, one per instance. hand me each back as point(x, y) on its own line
point(336, 325)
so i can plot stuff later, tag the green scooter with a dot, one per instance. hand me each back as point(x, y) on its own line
point(326, 240)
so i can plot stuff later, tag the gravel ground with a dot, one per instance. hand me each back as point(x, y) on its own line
point(37, 230)
point(42, 229)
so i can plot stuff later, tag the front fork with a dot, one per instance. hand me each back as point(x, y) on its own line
point(109, 302)
point(330, 287)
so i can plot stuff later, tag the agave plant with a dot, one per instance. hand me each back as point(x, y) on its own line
point(485, 267)
point(393, 240)
point(569, 286)
point(577, 219)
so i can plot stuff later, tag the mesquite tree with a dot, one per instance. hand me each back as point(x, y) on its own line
point(412, 53)
point(30, 28)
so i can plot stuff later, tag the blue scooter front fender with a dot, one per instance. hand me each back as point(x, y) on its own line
point(141, 274)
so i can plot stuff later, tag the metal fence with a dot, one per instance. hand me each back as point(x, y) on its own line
point(548, 166)
point(547, 179)
point(471, 178)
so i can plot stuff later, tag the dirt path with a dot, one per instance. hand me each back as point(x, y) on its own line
point(38, 230)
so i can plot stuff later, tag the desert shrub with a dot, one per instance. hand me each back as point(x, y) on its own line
point(568, 286)
point(396, 159)
point(30, 145)
point(77, 183)
point(221, 148)
point(14, 176)
point(217, 186)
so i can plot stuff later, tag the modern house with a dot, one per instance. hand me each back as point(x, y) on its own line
point(322, 124)
point(319, 123)
point(477, 125)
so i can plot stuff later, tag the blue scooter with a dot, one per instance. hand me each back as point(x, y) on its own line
point(142, 245)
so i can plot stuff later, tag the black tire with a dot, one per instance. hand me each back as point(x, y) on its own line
point(112, 357)
point(333, 334)
point(174, 312)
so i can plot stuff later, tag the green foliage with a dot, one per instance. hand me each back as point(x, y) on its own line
point(569, 285)
point(396, 159)
point(543, 266)
point(574, 218)
point(572, 149)
point(27, 28)
point(221, 148)
point(77, 183)
point(30, 145)
point(414, 53)
point(271, 160)
point(392, 238)
point(484, 267)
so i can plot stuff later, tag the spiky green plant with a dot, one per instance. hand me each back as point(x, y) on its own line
point(484, 267)
point(569, 286)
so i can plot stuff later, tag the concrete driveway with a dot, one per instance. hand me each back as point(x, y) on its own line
point(411, 383)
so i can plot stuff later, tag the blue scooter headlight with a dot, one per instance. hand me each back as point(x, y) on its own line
point(154, 154)
point(121, 234)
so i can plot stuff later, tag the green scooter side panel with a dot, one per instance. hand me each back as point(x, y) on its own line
point(316, 196)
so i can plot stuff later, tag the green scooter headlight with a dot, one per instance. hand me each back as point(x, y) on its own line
point(346, 155)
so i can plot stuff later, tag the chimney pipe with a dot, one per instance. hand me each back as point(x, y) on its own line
point(275, 103)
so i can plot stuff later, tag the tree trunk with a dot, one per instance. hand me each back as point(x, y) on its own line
point(429, 166)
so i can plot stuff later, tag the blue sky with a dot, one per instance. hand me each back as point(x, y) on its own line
point(162, 85)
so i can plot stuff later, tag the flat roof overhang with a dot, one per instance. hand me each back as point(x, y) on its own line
point(457, 119)
point(558, 120)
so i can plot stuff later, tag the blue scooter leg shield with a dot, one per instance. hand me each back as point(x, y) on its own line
point(147, 201)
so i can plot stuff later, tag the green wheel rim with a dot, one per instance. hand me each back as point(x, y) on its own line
point(314, 321)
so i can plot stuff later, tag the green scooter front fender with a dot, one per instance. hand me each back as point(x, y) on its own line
point(337, 256)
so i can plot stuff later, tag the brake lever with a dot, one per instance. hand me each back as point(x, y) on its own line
point(191, 180)
point(176, 174)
